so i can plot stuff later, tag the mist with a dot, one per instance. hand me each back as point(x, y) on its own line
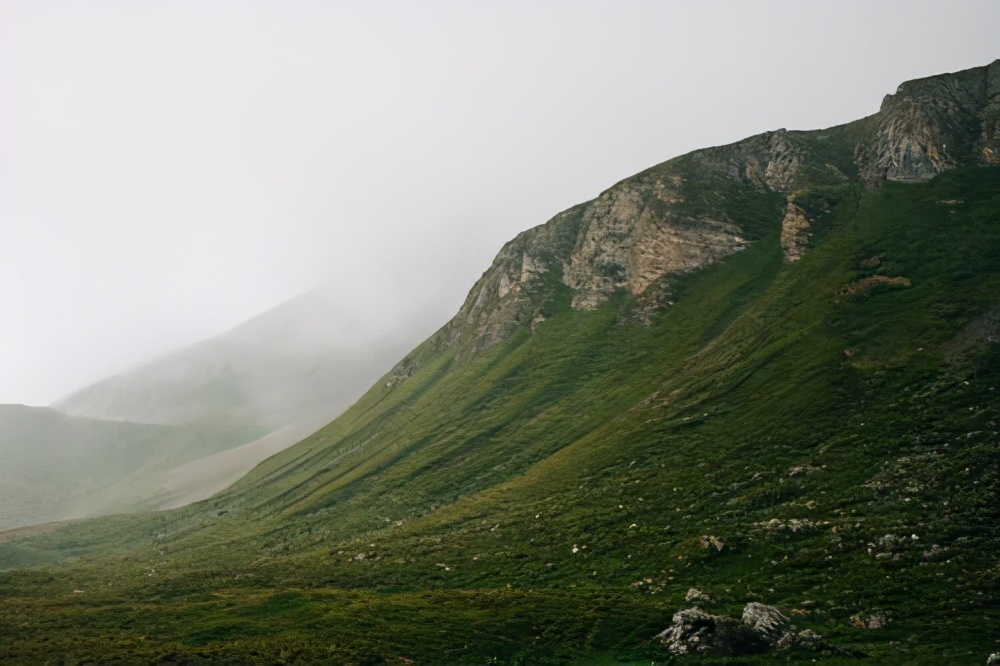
point(169, 170)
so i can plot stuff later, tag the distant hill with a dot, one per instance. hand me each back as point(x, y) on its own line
point(57, 467)
point(185, 426)
point(742, 407)
point(301, 360)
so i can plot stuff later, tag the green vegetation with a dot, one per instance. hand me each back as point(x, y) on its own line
point(553, 498)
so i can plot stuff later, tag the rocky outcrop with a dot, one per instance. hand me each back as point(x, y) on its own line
point(697, 209)
point(693, 631)
point(933, 124)
point(794, 232)
point(631, 237)
point(763, 619)
point(508, 296)
point(773, 160)
point(762, 628)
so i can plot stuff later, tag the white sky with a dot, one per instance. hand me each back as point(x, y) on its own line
point(168, 170)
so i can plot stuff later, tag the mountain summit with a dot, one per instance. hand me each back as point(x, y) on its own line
point(742, 405)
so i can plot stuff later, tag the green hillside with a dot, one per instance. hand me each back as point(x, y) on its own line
point(544, 481)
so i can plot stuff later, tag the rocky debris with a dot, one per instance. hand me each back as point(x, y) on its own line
point(694, 594)
point(993, 660)
point(791, 525)
point(794, 232)
point(763, 619)
point(806, 639)
point(872, 621)
point(706, 540)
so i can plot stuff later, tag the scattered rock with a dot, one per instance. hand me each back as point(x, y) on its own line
point(873, 621)
point(763, 619)
point(807, 639)
point(694, 594)
point(693, 631)
point(708, 540)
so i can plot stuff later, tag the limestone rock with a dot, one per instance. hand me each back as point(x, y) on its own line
point(693, 631)
point(631, 237)
point(794, 232)
point(763, 619)
point(932, 124)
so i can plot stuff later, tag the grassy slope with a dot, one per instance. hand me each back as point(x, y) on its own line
point(437, 520)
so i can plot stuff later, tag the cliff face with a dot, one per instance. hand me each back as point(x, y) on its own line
point(696, 209)
point(934, 124)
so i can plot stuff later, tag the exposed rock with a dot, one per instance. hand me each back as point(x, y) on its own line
point(693, 631)
point(631, 237)
point(694, 594)
point(794, 232)
point(763, 619)
point(770, 161)
point(678, 216)
point(931, 124)
point(501, 300)
point(806, 639)
point(707, 541)
point(865, 285)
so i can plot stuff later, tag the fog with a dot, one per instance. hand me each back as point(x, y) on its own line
point(169, 170)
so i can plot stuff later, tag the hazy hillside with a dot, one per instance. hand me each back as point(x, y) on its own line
point(763, 373)
point(301, 360)
point(187, 425)
point(57, 467)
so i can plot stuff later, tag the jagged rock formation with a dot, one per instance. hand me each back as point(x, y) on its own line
point(763, 619)
point(677, 217)
point(693, 631)
point(931, 124)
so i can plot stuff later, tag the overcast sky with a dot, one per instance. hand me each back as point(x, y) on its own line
point(170, 169)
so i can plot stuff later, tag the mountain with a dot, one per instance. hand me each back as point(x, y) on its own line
point(185, 426)
point(59, 467)
point(741, 406)
point(305, 359)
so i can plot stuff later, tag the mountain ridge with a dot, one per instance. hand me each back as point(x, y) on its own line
point(611, 472)
point(656, 223)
